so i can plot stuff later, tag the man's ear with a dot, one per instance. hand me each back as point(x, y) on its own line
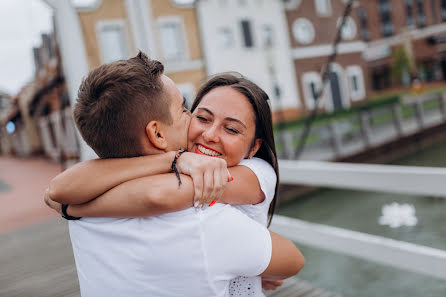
point(255, 148)
point(155, 135)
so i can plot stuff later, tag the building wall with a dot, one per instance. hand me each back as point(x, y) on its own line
point(428, 56)
point(165, 8)
point(188, 72)
point(108, 10)
point(311, 54)
point(252, 61)
point(325, 26)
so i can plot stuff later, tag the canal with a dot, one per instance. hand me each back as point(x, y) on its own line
point(362, 211)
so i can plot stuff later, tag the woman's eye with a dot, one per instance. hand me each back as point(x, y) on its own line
point(232, 130)
point(202, 119)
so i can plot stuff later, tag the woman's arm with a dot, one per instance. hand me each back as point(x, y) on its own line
point(87, 180)
point(142, 197)
point(159, 194)
point(244, 189)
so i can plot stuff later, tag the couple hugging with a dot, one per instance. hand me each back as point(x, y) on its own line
point(158, 220)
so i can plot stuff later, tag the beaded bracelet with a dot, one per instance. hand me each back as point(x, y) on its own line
point(173, 167)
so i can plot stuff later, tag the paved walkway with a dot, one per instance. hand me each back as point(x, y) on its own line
point(23, 182)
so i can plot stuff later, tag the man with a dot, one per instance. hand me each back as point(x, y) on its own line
point(129, 108)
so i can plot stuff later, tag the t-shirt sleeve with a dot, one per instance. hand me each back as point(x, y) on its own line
point(236, 245)
point(267, 179)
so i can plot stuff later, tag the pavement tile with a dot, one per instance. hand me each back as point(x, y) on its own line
point(23, 182)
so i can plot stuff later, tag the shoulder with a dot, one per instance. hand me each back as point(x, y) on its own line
point(260, 167)
point(265, 175)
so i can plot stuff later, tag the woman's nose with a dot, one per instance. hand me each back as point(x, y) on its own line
point(211, 134)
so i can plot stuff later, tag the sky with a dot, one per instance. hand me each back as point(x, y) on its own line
point(21, 24)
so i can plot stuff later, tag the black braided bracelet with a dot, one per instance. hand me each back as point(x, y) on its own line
point(173, 167)
point(67, 216)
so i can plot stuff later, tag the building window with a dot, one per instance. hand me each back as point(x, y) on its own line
point(225, 38)
point(172, 40)
point(385, 12)
point(112, 40)
point(443, 10)
point(434, 11)
point(267, 36)
point(421, 18)
point(247, 33)
point(365, 33)
point(409, 13)
point(291, 4)
point(311, 84)
point(349, 28)
point(323, 7)
point(188, 92)
point(356, 82)
point(303, 31)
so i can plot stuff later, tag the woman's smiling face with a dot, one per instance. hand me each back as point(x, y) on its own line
point(223, 125)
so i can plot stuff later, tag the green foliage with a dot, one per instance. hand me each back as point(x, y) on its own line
point(400, 65)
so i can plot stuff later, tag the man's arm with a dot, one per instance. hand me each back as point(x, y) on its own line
point(87, 180)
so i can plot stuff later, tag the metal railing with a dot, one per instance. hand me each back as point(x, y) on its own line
point(385, 178)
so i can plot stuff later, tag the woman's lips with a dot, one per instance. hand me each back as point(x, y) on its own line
point(206, 151)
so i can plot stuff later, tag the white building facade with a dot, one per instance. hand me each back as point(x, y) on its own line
point(250, 37)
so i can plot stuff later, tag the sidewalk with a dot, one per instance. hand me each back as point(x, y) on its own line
point(21, 201)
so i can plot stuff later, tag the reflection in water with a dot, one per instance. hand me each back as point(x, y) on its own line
point(360, 211)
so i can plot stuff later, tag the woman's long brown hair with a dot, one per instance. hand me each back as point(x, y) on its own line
point(264, 125)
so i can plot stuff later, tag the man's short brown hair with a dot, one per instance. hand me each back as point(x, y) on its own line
point(116, 101)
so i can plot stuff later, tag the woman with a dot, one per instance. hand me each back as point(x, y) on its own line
point(231, 121)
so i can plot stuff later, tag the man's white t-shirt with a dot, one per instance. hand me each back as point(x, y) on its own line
point(186, 253)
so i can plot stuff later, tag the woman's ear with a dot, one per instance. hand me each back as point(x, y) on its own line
point(155, 135)
point(255, 148)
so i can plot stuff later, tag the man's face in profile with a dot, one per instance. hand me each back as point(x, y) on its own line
point(176, 132)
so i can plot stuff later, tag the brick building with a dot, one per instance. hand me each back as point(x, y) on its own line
point(312, 28)
point(414, 28)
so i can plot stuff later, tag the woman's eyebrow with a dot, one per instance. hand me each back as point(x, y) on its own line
point(226, 119)
point(235, 120)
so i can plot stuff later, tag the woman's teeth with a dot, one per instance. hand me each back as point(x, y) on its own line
point(207, 151)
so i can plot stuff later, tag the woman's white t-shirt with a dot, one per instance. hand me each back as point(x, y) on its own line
point(252, 286)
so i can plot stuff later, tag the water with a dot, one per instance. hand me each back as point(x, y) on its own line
point(360, 211)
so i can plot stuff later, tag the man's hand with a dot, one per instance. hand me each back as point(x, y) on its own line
point(52, 204)
point(271, 284)
point(209, 174)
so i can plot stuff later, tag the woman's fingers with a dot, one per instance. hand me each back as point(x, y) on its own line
point(208, 188)
point(271, 284)
point(198, 188)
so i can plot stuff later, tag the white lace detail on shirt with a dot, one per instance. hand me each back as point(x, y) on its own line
point(242, 286)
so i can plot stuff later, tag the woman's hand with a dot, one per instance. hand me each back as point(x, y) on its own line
point(209, 175)
point(271, 284)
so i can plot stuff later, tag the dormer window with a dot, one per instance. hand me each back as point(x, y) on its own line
point(323, 7)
